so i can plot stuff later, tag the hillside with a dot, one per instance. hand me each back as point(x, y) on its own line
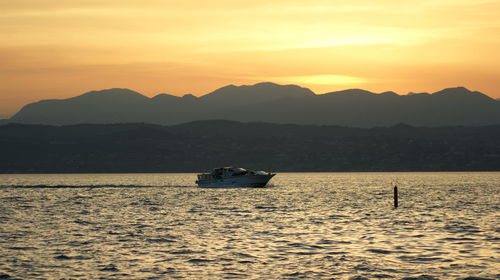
point(200, 146)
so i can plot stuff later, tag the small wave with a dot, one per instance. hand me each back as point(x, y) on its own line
point(62, 257)
point(266, 207)
point(381, 275)
point(234, 274)
point(82, 197)
point(200, 260)
point(337, 253)
point(421, 277)
point(244, 255)
point(458, 239)
point(110, 267)
point(88, 186)
point(65, 257)
point(379, 251)
point(22, 248)
point(183, 252)
point(475, 278)
point(295, 274)
point(306, 253)
point(358, 278)
point(5, 276)
point(82, 222)
point(13, 198)
point(226, 208)
point(420, 259)
point(78, 243)
point(160, 240)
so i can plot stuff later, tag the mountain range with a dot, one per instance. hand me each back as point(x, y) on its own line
point(269, 102)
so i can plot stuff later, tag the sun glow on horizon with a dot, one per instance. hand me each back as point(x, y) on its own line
point(319, 80)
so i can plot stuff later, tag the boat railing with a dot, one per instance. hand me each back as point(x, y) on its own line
point(205, 176)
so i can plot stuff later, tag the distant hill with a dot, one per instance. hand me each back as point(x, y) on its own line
point(269, 102)
point(200, 146)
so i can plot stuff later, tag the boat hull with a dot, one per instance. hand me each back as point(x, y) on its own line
point(247, 181)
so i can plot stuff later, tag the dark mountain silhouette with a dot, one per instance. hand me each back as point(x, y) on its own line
point(202, 145)
point(250, 95)
point(269, 102)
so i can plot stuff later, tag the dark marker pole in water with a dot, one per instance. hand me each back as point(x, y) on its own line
point(396, 196)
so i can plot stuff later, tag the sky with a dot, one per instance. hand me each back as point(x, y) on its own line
point(59, 49)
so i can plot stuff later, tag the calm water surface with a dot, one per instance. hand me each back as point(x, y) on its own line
point(305, 225)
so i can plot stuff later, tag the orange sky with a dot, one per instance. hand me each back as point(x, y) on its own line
point(58, 49)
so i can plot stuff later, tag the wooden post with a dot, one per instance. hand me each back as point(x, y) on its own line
point(395, 196)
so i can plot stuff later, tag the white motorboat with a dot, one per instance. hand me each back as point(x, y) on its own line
point(234, 177)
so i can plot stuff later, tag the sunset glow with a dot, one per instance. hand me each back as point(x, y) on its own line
point(58, 49)
point(319, 80)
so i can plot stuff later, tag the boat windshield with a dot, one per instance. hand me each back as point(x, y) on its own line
point(238, 170)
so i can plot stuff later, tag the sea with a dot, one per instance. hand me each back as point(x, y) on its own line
point(302, 226)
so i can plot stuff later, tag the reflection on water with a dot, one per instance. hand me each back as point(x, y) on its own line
point(306, 225)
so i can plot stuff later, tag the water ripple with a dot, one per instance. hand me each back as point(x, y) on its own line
point(310, 226)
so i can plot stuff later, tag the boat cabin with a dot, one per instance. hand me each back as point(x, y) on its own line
point(224, 172)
